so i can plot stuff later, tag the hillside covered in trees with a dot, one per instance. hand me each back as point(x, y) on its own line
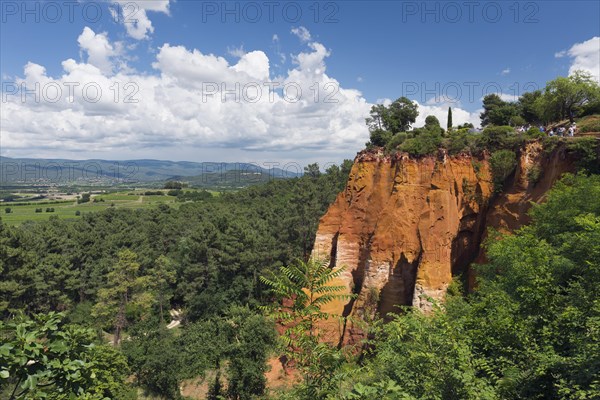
point(143, 304)
point(119, 273)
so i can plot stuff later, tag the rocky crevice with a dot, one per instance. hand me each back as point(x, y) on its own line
point(404, 227)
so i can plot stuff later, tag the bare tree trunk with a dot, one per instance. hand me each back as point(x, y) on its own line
point(120, 324)
point(160, 301)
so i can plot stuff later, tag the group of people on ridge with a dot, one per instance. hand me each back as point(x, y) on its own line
point(562, 131)
point(559, 131)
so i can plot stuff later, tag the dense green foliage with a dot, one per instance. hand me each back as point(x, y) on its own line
point(563, 98)
point(193, 196)
point(119, 271)
point(174, 185)
point(378, 137)
point(309, 286)
point(219, 246)
point(427, 140)
point(424, 142)
point(590, 123)
point(575, 96)
point(568, 97)
point(84, 198)
point(587, 150)
point(527, 105)
point(397, 117)
point(126, 291)
point(44, 358)
point(497, 111)
point(386, 122)
point(502, 163)
point(529, 331)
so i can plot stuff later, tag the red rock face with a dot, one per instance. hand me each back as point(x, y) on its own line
point(403, 227)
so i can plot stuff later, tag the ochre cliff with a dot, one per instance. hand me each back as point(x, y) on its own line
point(403, 227)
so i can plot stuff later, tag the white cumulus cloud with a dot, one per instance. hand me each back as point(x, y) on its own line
point(99, 50)
point(174, 112)
point(585, 56)
point(440, 111)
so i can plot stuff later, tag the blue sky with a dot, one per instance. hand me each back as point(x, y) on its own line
point(369, 51)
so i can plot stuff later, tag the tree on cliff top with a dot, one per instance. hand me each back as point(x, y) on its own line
point(397, 117)
point(402, 115)
point(449, 123)
point(566, 97)
point(528, 108)
point(497, 111)
point(378, 114)
point(432, 124)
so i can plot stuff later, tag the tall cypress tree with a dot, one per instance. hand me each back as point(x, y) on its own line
point(449, 125)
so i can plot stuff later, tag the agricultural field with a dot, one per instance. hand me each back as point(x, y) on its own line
point(20, 213)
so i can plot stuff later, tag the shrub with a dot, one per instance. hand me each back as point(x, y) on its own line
point(549, 143)
point(174, 185)
point(456, 142)
point(534, 173)
point(38, 210)
point(78, 213)
point(191, 196)
point(475, 144)
point(535, 133)
point(466, 125)
point(8, 210)
point(591, 108)
point(423, 144)
point(496, 137)
point(586, 152)
point(515, 141)
point(502, 163)
point(460, 130)
point(517, 120)
point(432, 124)
point(85, 198)
point(396, 141)
point(468, 189)
point(477, 168)
point(461, 141)
point(380, 137)
point(589, 124)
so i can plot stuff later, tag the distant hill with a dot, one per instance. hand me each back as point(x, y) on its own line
point(230, 179)
point(63, 171)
